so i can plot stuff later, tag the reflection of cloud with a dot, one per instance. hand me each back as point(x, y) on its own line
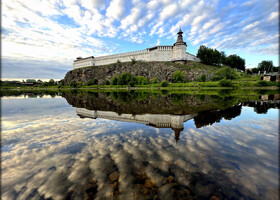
point(38, 163)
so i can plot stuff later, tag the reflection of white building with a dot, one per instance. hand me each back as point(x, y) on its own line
point(176, 122)
point(176, 52)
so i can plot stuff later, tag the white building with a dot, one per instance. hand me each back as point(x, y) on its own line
point(176, 52)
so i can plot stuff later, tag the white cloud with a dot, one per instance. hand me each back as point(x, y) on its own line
point(131, 19)
point(168, 11)
point(116, 9)
point(273, 16)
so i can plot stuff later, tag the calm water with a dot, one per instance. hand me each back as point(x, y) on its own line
point(86, 145)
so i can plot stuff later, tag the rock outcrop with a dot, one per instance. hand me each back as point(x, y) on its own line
point(150, 70)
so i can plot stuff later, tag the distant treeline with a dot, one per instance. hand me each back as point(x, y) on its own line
point(211, 56)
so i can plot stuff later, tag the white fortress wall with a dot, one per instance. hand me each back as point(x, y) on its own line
point(192, 57)
point(175, 52)
point(161, 53)
point(142, 55)
point(85, 62)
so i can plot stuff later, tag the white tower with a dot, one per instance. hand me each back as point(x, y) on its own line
point(179, 49)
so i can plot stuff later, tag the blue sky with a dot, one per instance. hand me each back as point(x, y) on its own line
point(41, 38)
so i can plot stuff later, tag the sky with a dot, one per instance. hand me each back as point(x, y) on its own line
point(41, 38)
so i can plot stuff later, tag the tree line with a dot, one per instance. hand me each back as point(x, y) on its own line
point(264, 66)
point(211, 56)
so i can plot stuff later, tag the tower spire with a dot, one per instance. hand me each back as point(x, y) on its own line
point(180, 40)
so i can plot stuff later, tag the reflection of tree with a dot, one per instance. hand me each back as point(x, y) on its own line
point(177, 98)
point(128, 97)
point(209, 117)
point(261, 107)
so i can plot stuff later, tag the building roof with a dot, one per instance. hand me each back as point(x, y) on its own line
point(80, 58)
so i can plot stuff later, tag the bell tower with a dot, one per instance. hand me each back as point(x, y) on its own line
point(179, 48)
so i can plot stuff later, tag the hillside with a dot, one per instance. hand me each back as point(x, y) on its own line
point(150, 70)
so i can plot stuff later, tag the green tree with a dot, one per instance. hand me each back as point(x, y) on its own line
point(225, 72)
point(51, 82)
point(209, 56)
point(62, 82)
point(234, 61)
point(223, 58)
point(124, 78)
point(178, 77)
point(265, 65)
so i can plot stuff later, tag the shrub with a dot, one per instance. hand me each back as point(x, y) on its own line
point(132, 82)
point(164, 84)
point(262, 83)
point(80, 83)
point(142, 80)
point(73, 84)
point(92, 82)
point(124, 78)
point(178, 77)
point(155, 81)
point(118, 61)
point(225, 72)
point(202, 78)
point(225, 83)
point(114, 80)
point(107, 82)
point(133, 61)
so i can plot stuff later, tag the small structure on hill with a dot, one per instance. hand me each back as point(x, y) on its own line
point(176, 53)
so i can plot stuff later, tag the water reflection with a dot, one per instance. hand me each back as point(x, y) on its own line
point(118, 149)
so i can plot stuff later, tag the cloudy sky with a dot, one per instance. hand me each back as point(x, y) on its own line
point(41, 38)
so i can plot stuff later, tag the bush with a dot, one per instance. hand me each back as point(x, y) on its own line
point(262, 83)
point(73, 84)
point(92, 82)
point(155, 81)
point(114, 80)
point(133, 61)
point(178, 77)
point(124, 78)
point(164, 84)
point(142, 80)
point(202, 78)
point(132, 82)
point(80, 84)
point(107, 82)
point(225, 83)
point(226, 73)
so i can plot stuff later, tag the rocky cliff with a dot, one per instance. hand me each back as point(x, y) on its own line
point(150, 70)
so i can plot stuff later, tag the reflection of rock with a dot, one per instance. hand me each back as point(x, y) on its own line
point(176, 122)
point(143, 102)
